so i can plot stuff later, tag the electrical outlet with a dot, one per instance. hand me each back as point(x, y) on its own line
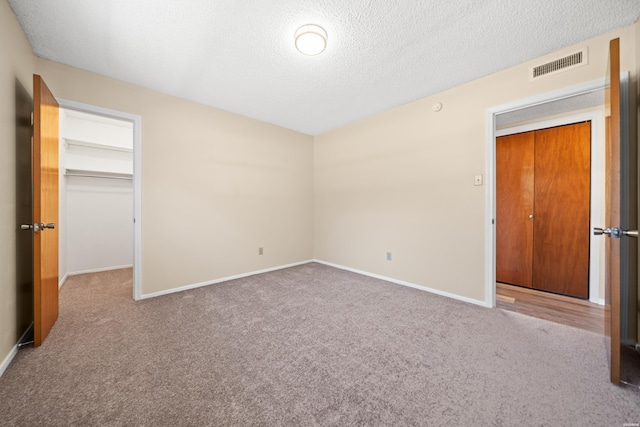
point(389, 257)
point(478, 180)
point(260, 251)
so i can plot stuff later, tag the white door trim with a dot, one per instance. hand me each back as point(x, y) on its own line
point(136, 120)
point(490, 172)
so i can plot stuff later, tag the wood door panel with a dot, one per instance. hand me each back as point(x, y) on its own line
point(45, 209)
point(562, 199)
point(612, 212)
point(514, 204)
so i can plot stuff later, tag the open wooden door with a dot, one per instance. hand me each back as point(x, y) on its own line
point(613, 185)
point(45, 209)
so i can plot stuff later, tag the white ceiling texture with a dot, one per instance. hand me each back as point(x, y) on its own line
point(238, 55)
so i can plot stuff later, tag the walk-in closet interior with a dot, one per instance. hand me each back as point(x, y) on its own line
point(96, 193)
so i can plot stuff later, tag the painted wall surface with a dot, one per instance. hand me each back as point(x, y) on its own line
point(105, 131)
point(16, 67)
point(98, 230)
point(403, 181)
point(215, 186)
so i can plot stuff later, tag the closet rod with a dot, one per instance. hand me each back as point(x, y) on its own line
point(106, 175)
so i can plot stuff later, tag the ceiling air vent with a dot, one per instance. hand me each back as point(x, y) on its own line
point(577, 59)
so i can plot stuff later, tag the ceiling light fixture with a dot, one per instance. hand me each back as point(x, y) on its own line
point(311, 39)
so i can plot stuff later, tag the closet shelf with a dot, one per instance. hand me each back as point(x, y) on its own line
point(86, 144)
point(98, 174)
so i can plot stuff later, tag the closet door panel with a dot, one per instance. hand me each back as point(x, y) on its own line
point(562, 198)
point(514, 205)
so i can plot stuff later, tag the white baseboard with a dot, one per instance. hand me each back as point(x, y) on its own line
point(599, 301)
point(64, 279)
point(224, 279)
point(410, 285)
point(376, 276)
point(7, 360)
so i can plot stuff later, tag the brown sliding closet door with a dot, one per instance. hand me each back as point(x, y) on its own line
point(543, 181)
point(562, 197)
point(514, 206)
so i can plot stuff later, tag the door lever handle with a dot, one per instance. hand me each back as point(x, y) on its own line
point(37, 227)
point(614, 232)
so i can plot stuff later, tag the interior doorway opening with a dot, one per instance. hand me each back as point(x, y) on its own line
point(99, 191)
point(555, 108)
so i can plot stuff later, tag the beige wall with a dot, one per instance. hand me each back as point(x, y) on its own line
point(16, 62)
point(403, 181)
point(215, 185)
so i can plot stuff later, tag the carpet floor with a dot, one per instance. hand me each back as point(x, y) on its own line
point(308, 345)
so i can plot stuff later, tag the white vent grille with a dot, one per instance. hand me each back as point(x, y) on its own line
point(577, 59)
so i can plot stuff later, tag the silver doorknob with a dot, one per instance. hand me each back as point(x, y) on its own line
point(531, 216)
point(49, 225)
point(26, 226)
point(631, 233)
point(597, 231)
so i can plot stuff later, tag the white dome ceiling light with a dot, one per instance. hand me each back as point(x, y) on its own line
point(311, 39)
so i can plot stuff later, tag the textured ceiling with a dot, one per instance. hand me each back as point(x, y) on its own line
point(238, 55)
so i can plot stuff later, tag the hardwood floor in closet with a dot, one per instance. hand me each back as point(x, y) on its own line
point(569, 311)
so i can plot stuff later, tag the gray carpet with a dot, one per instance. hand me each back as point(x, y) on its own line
point(309, 345)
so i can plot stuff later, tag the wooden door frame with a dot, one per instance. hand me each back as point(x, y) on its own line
point(137, 179)
point(596, 208)
point(490, 169)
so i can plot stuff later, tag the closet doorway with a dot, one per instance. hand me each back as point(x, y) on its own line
point(543, 209)
point(97, 194)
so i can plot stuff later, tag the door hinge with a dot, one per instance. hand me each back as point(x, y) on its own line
point(32, 118)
